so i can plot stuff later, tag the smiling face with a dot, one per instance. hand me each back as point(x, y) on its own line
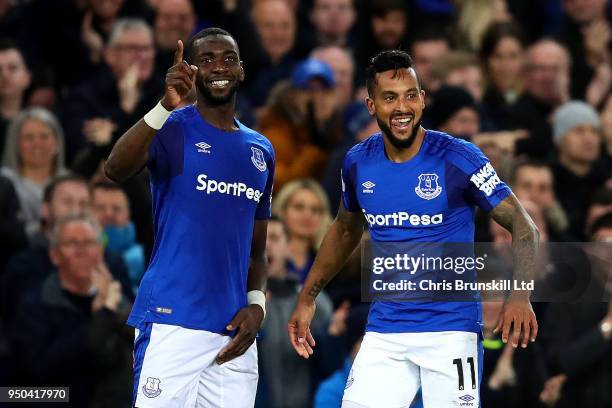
point(397, 101)
point(219, 68)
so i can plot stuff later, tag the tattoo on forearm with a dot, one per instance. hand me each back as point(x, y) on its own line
point(317, 287)
point(525, 236)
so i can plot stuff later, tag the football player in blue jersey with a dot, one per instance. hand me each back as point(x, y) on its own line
point(413, 185)
point(201, 302)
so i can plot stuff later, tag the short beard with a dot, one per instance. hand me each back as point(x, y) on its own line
point(399, 143)
point(213, 100)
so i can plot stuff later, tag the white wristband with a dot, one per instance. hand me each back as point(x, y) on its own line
point(157, 116)
point(257, 297)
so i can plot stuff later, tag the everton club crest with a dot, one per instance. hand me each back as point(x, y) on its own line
point(428, 187)
point(258, 159)
point(151, 388)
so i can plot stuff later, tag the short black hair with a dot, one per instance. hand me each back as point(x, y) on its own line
point(207, 32)
point(276, 218)
point(527, 162)
point(8, 44)
point(381, 8)
point(602, 197)
point(497, 32)
point(390, 60)
point(56, 181)
point(429, 33)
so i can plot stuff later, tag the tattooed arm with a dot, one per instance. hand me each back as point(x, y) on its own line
point(338, 244)
point(517, 310)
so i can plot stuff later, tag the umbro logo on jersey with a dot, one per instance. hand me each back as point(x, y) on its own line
point(368, 186)
point(203, 147)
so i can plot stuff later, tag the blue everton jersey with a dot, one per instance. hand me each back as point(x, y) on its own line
point(430, 198)
point(208, 188)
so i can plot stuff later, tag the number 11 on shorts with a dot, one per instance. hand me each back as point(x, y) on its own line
point(459, 363)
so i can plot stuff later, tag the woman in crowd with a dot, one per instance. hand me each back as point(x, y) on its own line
point(501, 55)
point(304, 207)
point(33, 155)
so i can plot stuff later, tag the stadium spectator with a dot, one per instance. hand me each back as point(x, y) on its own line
point(534, 181)
point(387, 29)
point(304, 208)
point(461, 69)
point(25, 272)
point(72, 333)
point(15, 78)
point(547, 82)
point(358, 126)
point(302, 122)
point(333, 21)
point(578, 336)
point(276, 28)
point(174, 20)
point(600, 206)
point(474, 16)
point(112, 208)
point(349, 323)
point(587, 34)
point(102, 108)
point(12, 230)
point(427, 46)
point(454, 111)
point(33, 155)
point(287, 378)
point(341, 62)
point(502, 56)
point(578, 174)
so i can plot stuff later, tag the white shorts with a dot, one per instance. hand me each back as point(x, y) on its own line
point(390, 368)
point(175, 367)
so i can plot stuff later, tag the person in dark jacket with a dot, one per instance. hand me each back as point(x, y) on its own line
point(71, 334)
point(101, 109)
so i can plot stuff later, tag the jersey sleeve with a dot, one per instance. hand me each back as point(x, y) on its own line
point(166, 151)
point(264, 207)
point(484, 187)
point(349, 198)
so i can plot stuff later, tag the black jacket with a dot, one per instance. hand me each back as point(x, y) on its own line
point(59, 341)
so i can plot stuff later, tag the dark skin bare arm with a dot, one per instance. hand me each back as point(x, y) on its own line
point(517, 311)
point(338, 244)
point(131, 152)
point(248, 320)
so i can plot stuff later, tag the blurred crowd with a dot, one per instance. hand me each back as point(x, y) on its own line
point(528, 81)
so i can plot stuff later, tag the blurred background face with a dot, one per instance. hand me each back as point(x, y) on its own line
point(174, 21)
point(105, 9)
point(424, 53)
point(275, 23)
point(111, 207)
point(506, 63)
point(535, 184)
point(333, 18)
point(303, 214)
point(584, 11)
point(78, 251)
point(390, 29)
point(464, 122)
point(37, 144)
point(341, 63)
point(14, 76)
point(469, 78)
point(277, 249)
point(547, 73)
point(69, 197)
point(132, 47)
point(581, 144)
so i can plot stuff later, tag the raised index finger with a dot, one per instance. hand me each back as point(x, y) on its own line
point(178, 54)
